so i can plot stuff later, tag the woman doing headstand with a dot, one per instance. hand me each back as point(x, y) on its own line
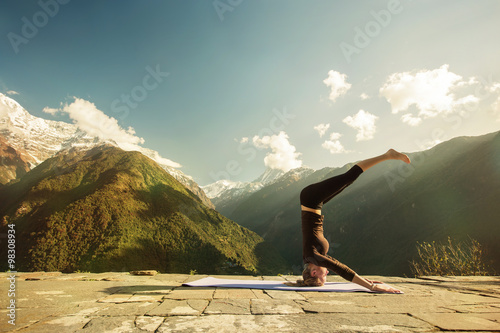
point(314, 244)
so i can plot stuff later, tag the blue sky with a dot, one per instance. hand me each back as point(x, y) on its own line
point(227, 88)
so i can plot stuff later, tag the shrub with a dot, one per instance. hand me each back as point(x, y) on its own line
point(451, 258)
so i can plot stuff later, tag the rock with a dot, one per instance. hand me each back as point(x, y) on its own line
point(150, 273)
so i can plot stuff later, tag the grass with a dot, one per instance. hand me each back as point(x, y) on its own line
point(452, 258)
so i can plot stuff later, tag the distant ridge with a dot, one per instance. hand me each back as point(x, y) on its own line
point(227, 195)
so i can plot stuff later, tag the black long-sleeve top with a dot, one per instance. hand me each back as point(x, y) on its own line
point(315, 246)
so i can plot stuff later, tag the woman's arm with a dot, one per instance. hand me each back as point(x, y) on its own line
point(374, 285)
point(347, 273)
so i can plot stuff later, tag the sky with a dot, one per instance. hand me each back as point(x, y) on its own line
point(224, 89)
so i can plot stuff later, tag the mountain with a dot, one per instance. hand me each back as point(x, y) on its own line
point(225, 187)
point(105, 209)
point(226, 194)
point(36, 139)
point(269, 176)
point(12, 165)
point(374, 225)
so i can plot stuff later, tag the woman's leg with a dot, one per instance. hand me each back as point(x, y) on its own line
point(315, 195)
point(391, 154)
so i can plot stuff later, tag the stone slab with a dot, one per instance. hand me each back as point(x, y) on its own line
point(449, 297)
point(27, 316)
point(148, 289)
point(115, 298)
point(273, 306)
point(53, 319)
point(459, 321)
point(58, 324)
point(228, 306)
point(171, 307)
point(121, 324)
point(476, 308)
point(281, 294)
point(260, 294)
point(141, 298)
point(328, 305)
point(148, 324)
point(390, 304)
point(191, 293)
point(234, 293)
point(126, 309)
point(295, 323)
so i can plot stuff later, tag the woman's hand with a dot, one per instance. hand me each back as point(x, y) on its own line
point(376, 286)
point(383, 288)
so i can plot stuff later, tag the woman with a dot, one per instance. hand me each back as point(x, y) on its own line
point(314, 244)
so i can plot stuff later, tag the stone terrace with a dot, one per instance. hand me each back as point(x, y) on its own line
point(122, 302)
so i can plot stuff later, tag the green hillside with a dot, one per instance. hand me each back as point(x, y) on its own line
point(452, 190)
point(111, 210)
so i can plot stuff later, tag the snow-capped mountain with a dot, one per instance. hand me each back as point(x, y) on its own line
point(225, 193)
point(223, 187)
point(36, 139)
point(296, 174)
point(269, 176)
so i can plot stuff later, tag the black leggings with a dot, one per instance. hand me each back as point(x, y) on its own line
point(315, 195)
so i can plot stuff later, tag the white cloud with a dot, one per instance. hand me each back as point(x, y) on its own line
point(337, 84)
point(282, 156)
point(96, 123)
point(51, 111)
point(322, 128)
point(158, 158)
point(495, 109)
point(428, 144)
point(334, 145)
point(364, 123)
point(12, 92)
point(409, 119)
point(495, 106)
point(432, 92)
point(494, 87)
point(244, 140)
point(364, 96)
point(93, 121)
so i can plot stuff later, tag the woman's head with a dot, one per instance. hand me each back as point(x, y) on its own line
point(313, 276)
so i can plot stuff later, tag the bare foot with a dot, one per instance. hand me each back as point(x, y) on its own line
point(395, 155)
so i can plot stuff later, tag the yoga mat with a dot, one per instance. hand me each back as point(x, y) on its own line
point(275, 285)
